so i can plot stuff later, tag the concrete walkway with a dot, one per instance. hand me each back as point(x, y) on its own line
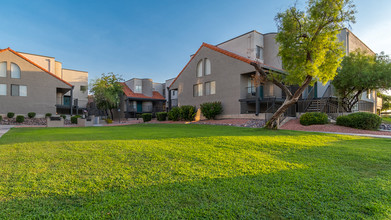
point(4, 129)
point(362, 135)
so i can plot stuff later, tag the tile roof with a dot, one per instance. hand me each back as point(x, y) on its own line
point(230, 54)
point(130, 94)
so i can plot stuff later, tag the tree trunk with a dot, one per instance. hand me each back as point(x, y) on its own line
point(111, 113)
point(273, 123)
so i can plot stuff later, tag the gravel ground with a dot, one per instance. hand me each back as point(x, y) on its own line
point(295, 125)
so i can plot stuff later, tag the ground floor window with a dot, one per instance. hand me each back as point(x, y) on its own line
point(197, 90)
point(210, 88)
point(18, 90)
point(3, 89)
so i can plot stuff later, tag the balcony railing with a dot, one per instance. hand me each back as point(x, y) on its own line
point(251, 92)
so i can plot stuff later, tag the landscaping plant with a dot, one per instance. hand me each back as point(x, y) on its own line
point(188, 112)
point(48, 115)
point(211, 109)
point(360, 120)
point(161, 116)
point(10, 115)
point(314, 118)
point(63, 116)
point(31, 114)
point(174, 114)
point(1, 118)
point(20, 118)
point(146, 117)
point(74, 119)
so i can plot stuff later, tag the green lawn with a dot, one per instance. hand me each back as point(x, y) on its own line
point(386, 120)
point(192, 171)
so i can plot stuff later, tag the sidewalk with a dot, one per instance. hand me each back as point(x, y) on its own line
point(4, 129)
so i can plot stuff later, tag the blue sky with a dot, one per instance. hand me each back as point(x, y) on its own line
point(152, 39)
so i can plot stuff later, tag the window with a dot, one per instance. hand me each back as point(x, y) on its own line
point(15, 71)
point(207, 67)
point(197, 90)
point(199, 68)
point(210, 88)
point(83, 88)
point(3, 69)
point(3, 89)
point(138, 89)
point(259, 53)
point(18, 90)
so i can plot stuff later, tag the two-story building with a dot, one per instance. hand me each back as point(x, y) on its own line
point(36, 83)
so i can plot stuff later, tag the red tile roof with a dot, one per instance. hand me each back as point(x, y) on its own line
point(28, 60)
point(129, 93)
point(228, 53)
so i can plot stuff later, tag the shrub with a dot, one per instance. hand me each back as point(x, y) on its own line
point(109, 121)
point(31, 114)
point(314, 118)
point(48, 115)
point(146, 117)
point(161, 116)
point(211, 109)
point(174, 114)
point(188, 112)
point(1, 118)
point(10, 115)
point(20, 118)
point(63, 116)
point(74, 119)
point(360, 120)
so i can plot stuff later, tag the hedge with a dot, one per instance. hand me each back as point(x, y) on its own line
point(31, 114)
point(188, 112)
point(161, 116)
point(360, 120)
point(174, 114)
point(211, 109)
point(74, 119)
point(20, 118)
point(146, 117)
point(314, 118)
point(10, 115)
point(48, 115)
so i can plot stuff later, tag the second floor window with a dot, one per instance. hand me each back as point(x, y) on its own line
point(210, 88)
point(203, 67)
point(18, 90)
point(259, 53)
point(3, 89)
point(15, 71)
point(3, 69)
point(197, 90)
point(138, 89)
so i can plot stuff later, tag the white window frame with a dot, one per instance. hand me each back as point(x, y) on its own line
point(3, 87)
point(207, 67)
point(22, 90)
point(3, 72)
point(14, 71)
point(197, 90)
point(200, 68)
point(138, 89)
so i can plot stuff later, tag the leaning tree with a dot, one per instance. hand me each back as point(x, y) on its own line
point(309, 48)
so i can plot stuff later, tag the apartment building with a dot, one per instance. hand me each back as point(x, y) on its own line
point(37, 83)
point(223, 73)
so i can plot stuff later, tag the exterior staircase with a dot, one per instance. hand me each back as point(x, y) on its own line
point(317, 105)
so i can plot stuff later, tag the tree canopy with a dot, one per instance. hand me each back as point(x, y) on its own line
point(308, 46)
point(360, 73)
point(107, 91)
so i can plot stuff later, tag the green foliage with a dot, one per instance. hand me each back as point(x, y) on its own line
point(10, 115)
point(31, 114)
point(109, 121)
point(48, 115)
point(107, 91)
point(1, 118)
point(211, 109)
point(360, 120)
point(308, 39)
point(314, 118)
point(20, 118)
point(63, 116)
point(188, 112)
point(386, 99)
point(386, 120)
point(161, 116)
point(74, 119)
point(171, 171)
point(146, 117)
point(174, 114)
point(359, 73)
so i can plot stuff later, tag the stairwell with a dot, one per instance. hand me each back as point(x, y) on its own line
point(317, 105)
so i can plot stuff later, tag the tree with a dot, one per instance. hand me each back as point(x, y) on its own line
point(386, 101)
point(360, 73)
point(107, 91)
point(308, 46)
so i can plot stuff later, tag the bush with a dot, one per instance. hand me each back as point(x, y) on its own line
point(109, 121)
point(74, 119)
point(360, 120)
point(1, 118)
point(146, 117)
point(31, 114)
point(314, 118)
point(138, 115)
point(211, 109)
point(20, 118)
point(161, 116)
point(63, 116)
point(48, 115)
point(188, 112)
point(10, 115)
point(174, 114)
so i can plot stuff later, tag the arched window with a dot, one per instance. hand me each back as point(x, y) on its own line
point(3, 69)
point(15, 71)
point(199, 68)
point(207, 67)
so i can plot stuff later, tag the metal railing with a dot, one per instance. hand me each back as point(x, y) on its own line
point(304, 104)
point(251, 92)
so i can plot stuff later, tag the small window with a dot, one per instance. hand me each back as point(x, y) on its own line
point(18, 90)
point(3, 69)
point(199, 68)
point(210, 88)
point(259, 53)
point(207, 67)
point(15, 71)
point(83, 88)
point(3, 89)
point(138, 89)
point(197, 90)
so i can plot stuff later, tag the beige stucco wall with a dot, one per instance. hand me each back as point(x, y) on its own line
point(42, 61)
point(226, 71)
point(270, 53)
point(77, 79)
point(41, 88)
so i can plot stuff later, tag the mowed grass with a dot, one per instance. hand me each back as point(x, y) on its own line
point(158, 171)
point(387, 120)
